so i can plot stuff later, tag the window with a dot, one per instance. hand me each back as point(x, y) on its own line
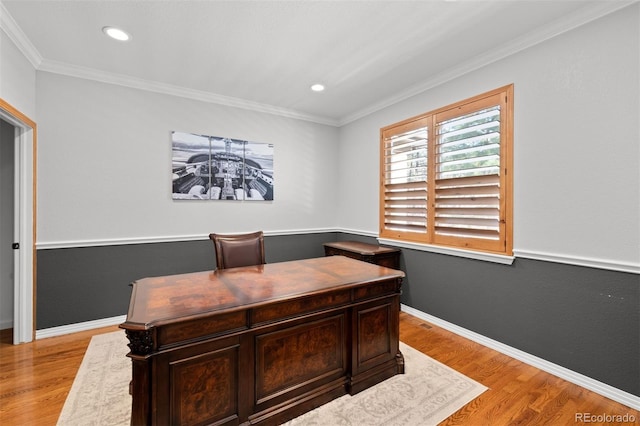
point(446, 176)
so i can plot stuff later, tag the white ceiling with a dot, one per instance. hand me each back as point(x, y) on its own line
point(264, 55)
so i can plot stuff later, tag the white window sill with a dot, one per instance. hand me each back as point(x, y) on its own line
point(469, 254)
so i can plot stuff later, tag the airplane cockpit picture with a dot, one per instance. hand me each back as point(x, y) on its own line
point(217, 168)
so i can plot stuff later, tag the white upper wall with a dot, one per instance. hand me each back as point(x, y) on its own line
point(17, 78)
point(577, 152)
point(104, 166)
point(576, 143)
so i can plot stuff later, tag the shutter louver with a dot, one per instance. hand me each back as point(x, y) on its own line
point(467, 186)
point(405, 181)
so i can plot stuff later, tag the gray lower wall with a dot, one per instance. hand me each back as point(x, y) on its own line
point(88, 283)
point(584, 319)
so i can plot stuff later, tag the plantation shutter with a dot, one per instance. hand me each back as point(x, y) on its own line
point(468, 185)
point(445, 175)
point(404, 181)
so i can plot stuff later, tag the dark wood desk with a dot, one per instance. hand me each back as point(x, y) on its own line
point(384, 256)
point(260, 344)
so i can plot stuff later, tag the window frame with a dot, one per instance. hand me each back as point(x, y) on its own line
point(502, 96)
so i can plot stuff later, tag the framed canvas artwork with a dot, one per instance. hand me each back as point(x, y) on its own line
point(218, 168)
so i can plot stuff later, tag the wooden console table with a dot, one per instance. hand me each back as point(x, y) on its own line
point(384, 256)
point(260, 344)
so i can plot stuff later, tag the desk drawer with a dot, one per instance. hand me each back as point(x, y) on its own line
point(305, 305)
point(198, 329)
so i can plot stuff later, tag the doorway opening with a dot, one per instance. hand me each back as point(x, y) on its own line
point(24, 218)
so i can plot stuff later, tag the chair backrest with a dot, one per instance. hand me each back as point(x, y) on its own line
point(234, 250)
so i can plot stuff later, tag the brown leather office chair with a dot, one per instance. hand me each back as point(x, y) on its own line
point(234, 250)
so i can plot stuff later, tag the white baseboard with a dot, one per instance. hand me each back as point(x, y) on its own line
point(81, 326)
point(586, 382)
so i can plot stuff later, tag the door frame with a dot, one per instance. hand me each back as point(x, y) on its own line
point(25, 161)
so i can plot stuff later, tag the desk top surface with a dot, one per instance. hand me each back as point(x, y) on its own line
point(162, 300)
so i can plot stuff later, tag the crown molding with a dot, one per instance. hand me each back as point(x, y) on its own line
point(15, 33)
point(553, 29)
point(541, 34)
point(169, 89)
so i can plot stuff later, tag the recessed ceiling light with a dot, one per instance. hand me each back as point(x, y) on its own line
point(116, 33)
point(317, 87)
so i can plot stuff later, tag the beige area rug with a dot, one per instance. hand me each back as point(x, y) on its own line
point(426, 394)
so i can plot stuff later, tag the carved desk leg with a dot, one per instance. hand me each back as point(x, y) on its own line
point(141, 344)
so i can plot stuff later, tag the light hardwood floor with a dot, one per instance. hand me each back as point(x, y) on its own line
point(35, 379)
